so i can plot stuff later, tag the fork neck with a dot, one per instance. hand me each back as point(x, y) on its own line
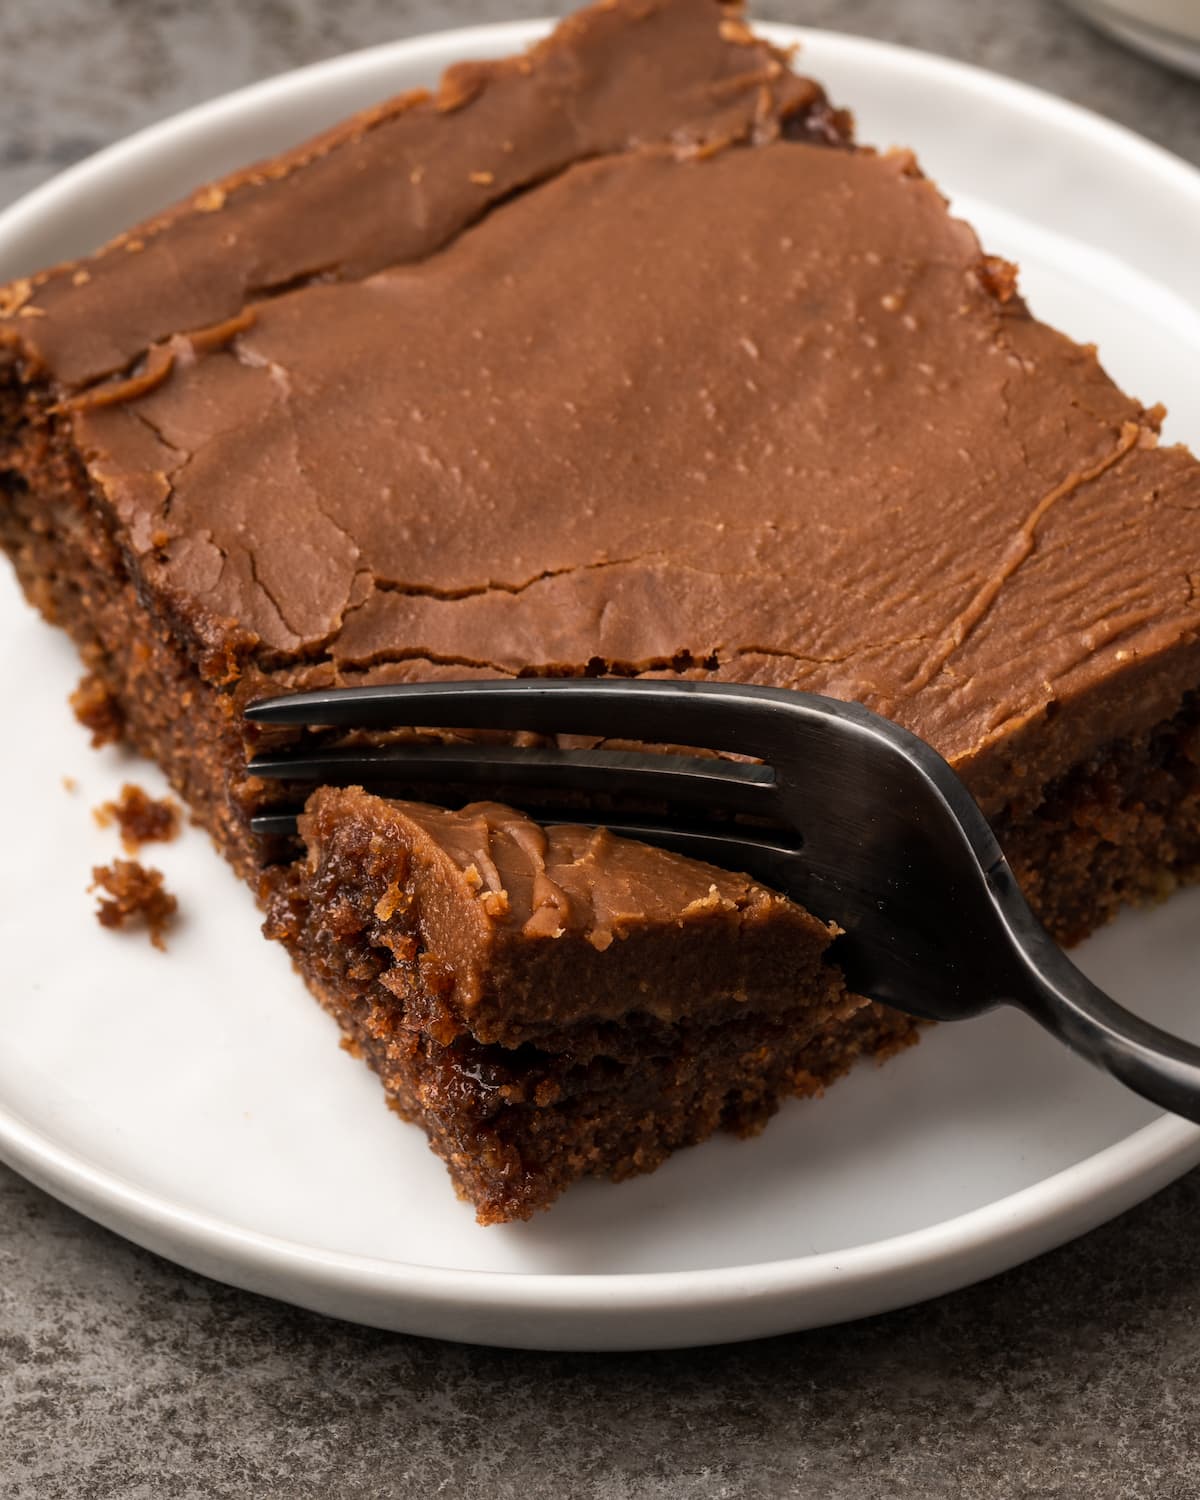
point(1046, 985)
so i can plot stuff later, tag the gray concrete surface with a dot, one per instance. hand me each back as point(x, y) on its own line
point(1075, 1376)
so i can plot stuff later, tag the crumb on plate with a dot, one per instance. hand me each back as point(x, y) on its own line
point(140, 818)
point(135, 894)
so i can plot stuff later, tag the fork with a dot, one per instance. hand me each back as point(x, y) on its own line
point(869, 828)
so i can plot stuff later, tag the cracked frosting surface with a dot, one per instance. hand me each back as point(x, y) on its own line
point(397, 181)
point(703, 398)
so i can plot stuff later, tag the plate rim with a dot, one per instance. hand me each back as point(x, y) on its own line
point(618, 1311)
point(770, 1295)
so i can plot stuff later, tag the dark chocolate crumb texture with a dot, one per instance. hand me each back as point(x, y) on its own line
point(615, 357)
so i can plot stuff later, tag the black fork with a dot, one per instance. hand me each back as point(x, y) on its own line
point(871, 829)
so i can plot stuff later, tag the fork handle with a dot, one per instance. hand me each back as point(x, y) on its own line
point(1154, 1063)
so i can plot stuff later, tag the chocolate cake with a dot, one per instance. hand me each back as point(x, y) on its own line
point(617, 357)
point(554, 1002)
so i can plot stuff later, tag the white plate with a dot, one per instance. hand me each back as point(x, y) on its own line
point(198, 1103)
point(1166, 30)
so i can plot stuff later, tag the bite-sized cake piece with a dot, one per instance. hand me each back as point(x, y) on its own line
point(556, 1002)
point(612, 358)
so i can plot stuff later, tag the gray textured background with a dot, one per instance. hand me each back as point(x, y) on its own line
point(1078, 1375)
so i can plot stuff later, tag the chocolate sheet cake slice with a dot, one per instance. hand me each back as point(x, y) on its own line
point(550, 1003)
point(614, 358)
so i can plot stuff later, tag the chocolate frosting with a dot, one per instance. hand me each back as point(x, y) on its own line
point(397, 182)
point(521, 929)
point(674, 392)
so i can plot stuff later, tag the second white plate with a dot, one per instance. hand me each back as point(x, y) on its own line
point(197, 1102)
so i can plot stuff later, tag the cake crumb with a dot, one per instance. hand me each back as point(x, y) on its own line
point(495, 903)
point(135, 894)
point(70, 785)
point(140, 818)
point(96, 709)
point(208, 200)
point(712, 901)
point(392, 901)
point(14, 296)
point(999, 277)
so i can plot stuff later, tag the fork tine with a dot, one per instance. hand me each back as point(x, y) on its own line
point(720, 716)
point(766, 854)
point(730, 785)
point(271, 825)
